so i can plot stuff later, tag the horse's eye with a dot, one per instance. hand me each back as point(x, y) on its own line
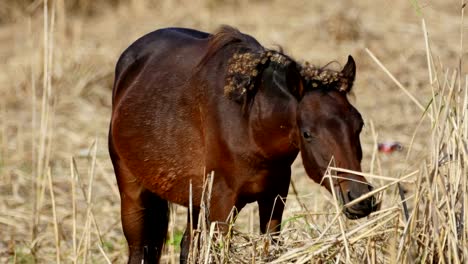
point(307, 136)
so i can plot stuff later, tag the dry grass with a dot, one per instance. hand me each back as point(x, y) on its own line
point(58, 197)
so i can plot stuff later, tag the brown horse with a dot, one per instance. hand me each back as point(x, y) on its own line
point(186, 102)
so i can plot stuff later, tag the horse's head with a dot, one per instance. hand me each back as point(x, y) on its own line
point(311, 108)
point(329, 128)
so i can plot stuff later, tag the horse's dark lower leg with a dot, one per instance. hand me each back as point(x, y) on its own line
point(187, 238)
point(271, 205)
point(271, 213)
point(145, 227)
point(145, 219)
point(221, 206)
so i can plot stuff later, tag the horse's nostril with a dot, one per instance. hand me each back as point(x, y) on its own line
point(364, 202)
point(368, 202)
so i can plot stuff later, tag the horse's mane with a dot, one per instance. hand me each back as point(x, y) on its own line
point(246, 59)
point(314, 73)
point(228, 37)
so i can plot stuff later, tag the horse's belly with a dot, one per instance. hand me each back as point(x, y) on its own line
point(168, 176)
point(172, 181)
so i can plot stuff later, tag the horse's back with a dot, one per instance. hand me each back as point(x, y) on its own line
point(157, 48)
point(156, 123)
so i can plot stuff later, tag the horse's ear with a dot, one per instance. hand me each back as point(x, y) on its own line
point(294, 81)
point(348, 74)
point(283, 78)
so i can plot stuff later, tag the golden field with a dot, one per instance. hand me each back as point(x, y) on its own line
point(59, 201)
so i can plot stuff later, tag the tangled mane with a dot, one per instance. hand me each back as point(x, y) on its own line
point(228, 37)
point(247, 59)
point(316, 77)
point(245, 63)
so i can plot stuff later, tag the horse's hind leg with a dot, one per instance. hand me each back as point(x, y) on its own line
point(145, 218)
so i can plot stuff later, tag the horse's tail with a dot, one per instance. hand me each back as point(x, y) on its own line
point(161, 225)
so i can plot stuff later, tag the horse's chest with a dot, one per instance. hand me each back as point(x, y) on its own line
point(257, 183)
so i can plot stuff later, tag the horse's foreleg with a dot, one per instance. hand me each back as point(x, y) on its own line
point(222, 204)
point(271, 205)
point(271, 213)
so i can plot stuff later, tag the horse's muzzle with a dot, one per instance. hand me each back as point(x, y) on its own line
point(362, 208)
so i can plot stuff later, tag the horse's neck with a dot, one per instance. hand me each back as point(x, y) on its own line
point(272, 125)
